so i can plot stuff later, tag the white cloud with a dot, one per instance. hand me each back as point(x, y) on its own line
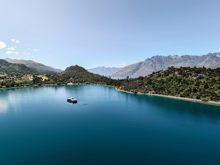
point(13, 48)
point(2, 45)
point(15, 40)
point(9, 52)
point(12, 40)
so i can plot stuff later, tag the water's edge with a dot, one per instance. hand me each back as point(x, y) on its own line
point(174, 97)
point(213, 103)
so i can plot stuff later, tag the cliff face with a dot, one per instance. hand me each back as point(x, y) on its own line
point(156, 63)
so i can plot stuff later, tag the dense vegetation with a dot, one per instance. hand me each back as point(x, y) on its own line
point(197, 83)
point(16, 75)
point(9, 68)
point(77, 74)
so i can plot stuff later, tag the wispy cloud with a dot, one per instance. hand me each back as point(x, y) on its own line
point(13, 48)
point(2, 45)
point(15, 40)
point(9, 52)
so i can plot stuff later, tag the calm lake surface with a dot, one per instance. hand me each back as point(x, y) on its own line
point(38, 126)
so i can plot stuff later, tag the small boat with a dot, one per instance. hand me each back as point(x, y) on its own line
point(72, 100)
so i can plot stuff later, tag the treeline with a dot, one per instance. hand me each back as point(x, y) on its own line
point(77, 74)
point(16, 80)
point(197, 83)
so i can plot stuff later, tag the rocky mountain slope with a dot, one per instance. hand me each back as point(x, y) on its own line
point(104, 71)
point(156, 63)
point(34, 65)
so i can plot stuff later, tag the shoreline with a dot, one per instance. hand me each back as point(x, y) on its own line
point(174, 97)
point(139, 93)
point(29, 86)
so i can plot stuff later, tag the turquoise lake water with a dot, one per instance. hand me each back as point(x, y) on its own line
point(38, 126)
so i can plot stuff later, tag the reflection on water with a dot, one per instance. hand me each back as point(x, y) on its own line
point(12, 98)
point(105, 125)
point(3, 106)
point(172, 106)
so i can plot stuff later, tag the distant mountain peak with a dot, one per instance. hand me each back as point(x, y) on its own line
point(104, 71)
point(33, 65)
point(156, 63)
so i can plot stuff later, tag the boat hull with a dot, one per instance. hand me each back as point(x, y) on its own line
point(71, 100)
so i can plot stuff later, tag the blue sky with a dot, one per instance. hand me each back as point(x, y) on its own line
point(93, 33)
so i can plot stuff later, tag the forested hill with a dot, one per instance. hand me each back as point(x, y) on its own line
point(10, 68)
point(197, 83)
point(77, 74)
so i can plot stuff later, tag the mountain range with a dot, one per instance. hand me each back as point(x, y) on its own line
point(33, 65)
point(197, 83)
point(156, 63)
point(143, 68)
point(9, 68)
point(104, 71)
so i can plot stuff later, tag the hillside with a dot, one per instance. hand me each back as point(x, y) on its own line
point(105, 71)
point(34, 65)
point(157, 63)
point(196, 83)
point(77, 74)
point(9, 68)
